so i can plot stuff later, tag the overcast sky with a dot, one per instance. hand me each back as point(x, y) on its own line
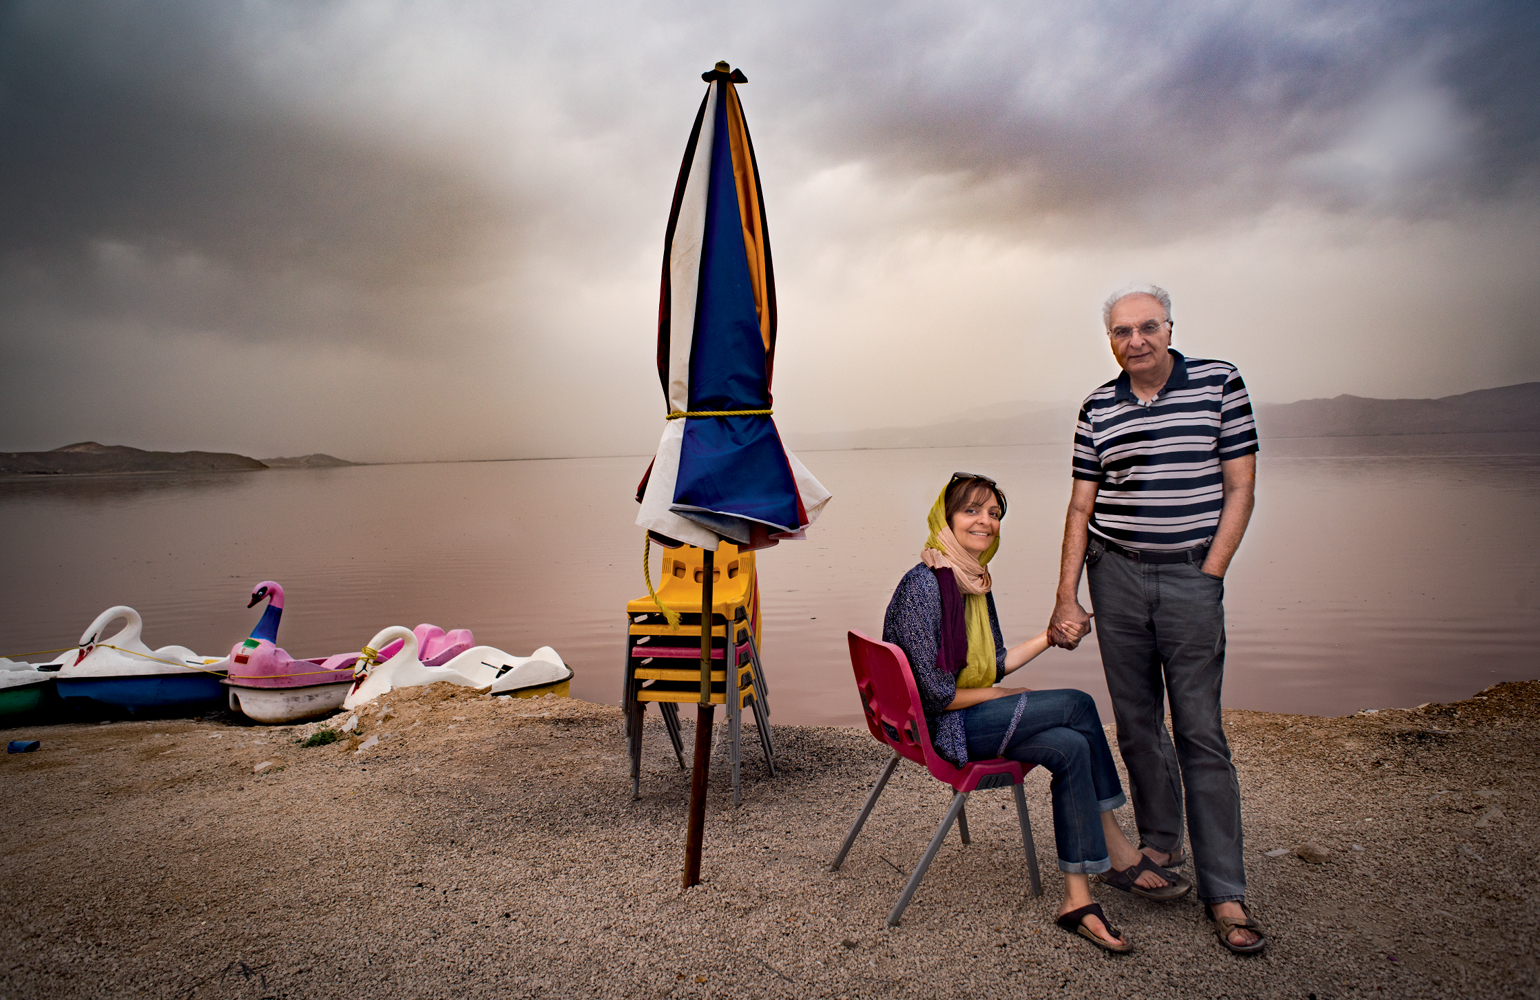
point(434, 229)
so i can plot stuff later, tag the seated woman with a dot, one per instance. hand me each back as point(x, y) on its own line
point(943, 617)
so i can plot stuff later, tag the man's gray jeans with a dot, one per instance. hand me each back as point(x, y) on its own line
point(1161, 629)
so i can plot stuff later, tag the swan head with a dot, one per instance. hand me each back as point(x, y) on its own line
point(267, 627)
point(93, 633)
point(369, 659)
point(268, 589)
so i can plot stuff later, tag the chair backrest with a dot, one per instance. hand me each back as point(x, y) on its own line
point(687, 564)
point(889, 696)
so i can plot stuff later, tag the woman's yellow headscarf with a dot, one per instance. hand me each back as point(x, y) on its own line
point(942, 550)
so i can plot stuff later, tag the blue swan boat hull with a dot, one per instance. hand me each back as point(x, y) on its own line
point(145, 690)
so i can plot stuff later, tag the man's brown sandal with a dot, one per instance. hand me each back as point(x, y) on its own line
point(1227, 924)
point(1074, 922)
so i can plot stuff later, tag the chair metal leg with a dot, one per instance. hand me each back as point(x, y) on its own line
point(634, 711)
point(1026, 837)
point(625, 684)
point(959, 799)
point(731, 694)
point(670, 712)
point(866, 810)
point(734, 737)
point(759, 671)
point(762, 699)
point(762, 723)
point(962, 825)
point(761, 710)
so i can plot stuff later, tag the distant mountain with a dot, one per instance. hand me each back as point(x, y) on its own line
point(1484, 421)
point(316, 461)
point(90, 457)
point(1511, 408)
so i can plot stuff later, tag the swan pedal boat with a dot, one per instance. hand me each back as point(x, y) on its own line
point(122, 671)
point(266, 684)
point(24, 686)
point(481, 667)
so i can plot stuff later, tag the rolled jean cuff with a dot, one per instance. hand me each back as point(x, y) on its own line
point(1220, 899)
point(1085, 867)
point(1116, 802)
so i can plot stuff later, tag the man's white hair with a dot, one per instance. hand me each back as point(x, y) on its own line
point(1153, 291)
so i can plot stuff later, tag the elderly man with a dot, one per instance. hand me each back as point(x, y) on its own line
point(1164, 470)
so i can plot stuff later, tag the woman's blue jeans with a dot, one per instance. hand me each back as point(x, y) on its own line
point(1061, 731)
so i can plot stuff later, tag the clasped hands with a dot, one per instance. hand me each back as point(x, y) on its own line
point(1070, 623)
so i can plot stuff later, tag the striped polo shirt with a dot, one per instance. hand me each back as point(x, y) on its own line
point(1158, 462)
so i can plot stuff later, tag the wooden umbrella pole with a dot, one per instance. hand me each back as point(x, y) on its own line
point(695, 835)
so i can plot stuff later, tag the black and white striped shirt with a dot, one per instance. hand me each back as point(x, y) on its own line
point(1158, 462)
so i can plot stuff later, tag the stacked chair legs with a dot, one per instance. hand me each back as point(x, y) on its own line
point(654, 673)
point(663, 662)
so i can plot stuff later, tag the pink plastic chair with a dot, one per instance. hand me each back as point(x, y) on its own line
point(890, 698)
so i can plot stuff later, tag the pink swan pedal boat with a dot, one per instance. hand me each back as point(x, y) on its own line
point(268, 685)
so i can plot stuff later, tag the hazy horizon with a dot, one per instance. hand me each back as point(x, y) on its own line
point(798, 440)
point(435, 229)
point(998, 410)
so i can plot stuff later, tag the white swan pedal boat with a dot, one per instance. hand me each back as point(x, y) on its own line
point(485, 668)
point(122, 671)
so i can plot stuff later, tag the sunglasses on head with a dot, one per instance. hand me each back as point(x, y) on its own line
point(974, 477)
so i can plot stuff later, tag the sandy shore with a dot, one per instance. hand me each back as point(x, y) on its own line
point(491, 848)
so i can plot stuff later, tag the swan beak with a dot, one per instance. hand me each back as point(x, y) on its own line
point(256, 596)
point(82, 654)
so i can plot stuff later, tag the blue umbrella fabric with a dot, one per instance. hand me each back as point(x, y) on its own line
point(720, 471)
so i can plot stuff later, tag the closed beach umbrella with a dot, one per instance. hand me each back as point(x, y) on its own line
point(720, 471)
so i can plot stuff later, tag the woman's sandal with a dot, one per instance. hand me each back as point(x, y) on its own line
point(1074, 922)
point(1227, 924)
point(1176, 885)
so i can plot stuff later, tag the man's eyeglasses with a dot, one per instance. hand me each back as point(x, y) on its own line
point(1148, 328)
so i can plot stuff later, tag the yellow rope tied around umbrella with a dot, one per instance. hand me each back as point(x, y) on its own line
point(669, 613)
point(679, 414)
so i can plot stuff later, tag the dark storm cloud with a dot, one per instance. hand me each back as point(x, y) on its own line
point(142, 175)
point(1496, 73)
point(1222, 108)
point(465, 201)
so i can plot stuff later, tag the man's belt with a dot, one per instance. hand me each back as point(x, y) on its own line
point(1194, 555)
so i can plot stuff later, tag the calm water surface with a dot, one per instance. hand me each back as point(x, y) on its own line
point(1363, 582)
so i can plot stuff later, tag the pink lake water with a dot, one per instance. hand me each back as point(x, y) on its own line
point(1363, 582)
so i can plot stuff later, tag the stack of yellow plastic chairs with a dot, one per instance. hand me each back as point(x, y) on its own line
point(663, 661)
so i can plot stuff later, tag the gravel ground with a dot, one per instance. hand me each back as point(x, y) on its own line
point(491, 848)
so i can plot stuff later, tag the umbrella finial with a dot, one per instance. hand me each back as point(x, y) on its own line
point(721, 72)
